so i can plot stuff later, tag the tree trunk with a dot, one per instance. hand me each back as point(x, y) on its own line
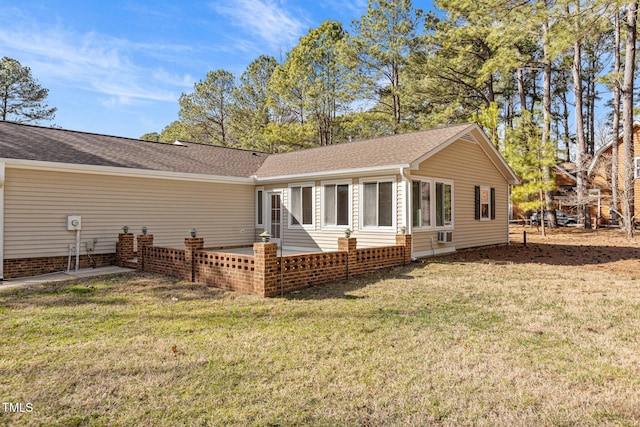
point(587, 99)
point(627, 112)
point(581, 148)
point(565, 124)
point(546, 119)
point(592, 116)
point(521, 92)
point(395, 94)
point(615, 175)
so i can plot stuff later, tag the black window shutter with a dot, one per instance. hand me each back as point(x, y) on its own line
point(493, 203)
point(477, 202)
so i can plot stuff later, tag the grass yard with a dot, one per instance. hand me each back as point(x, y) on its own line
point(447, 342)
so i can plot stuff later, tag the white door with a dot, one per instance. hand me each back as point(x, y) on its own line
point(274, 216)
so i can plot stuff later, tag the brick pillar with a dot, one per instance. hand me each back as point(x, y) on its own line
point(349, 245)
point(144, 241)
point(266, 271)
point(405, 240)
point(191, 245)
point(124, 248)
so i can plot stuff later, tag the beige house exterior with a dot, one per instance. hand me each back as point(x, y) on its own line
point(447, 187)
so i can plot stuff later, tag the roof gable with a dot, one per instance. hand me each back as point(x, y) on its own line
point(563, 168)
point(605, 148)
point(402, 150)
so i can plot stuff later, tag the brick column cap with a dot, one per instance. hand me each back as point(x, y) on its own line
point(347, 243)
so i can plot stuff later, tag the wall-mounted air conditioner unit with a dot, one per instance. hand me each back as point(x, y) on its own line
point(445, 236)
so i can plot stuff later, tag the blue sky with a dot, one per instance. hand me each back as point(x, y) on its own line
point(118, 67)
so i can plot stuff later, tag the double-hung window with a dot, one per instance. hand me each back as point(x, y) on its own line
point(636, 168)
point(260, 207)
point(421, 203)
point(431, 203)
point(301, 205)
point(336, 208)
point(378, 203)
point(485, 203)
point(444, 204)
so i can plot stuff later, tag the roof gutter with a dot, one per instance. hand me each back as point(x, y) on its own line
point(121, 171)
point(332, 173)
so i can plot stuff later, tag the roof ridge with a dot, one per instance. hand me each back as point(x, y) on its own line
point(65, 130)
point(375, 138)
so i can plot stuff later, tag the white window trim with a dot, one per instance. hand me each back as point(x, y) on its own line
point(636, 168)
point(488, 189)
point(432, 202)
point(323, 226)
point(311, 226)
point(453, 204)
point(264, 206)
point(394, 203)
point(432, 188)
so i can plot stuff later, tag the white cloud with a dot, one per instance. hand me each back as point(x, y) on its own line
point(264, 19)
point(94, 62)
point(173, 79)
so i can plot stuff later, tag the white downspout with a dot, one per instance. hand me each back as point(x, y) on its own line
point(406, 197)
point(509, 213)
point(2, 178)
point(406, 190)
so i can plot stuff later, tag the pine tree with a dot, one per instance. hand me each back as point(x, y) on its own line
point(22, 99)
point(206, 112)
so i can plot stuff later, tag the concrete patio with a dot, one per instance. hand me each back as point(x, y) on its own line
point(62, 276)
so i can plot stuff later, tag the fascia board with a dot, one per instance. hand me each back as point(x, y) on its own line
point(334, 173)
point(503, 167)
point(124, 172)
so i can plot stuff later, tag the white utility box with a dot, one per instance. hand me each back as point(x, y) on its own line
point(74, 222)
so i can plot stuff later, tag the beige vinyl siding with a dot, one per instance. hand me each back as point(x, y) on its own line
point(467, 165)
point(317, 238)
point(37, 204)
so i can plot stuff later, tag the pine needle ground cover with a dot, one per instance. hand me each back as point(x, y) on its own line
point(445, 342)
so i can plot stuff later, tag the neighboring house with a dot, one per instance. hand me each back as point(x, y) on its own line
point(565, 176)
point(563, 195)
point(449, 179)
point(566, 181)
point(600, 172)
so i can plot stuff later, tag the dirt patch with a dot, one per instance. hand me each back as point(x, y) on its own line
point(604, 249)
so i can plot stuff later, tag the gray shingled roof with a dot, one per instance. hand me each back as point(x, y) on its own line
point(20, 141)
point(384, 151)
point(28, 142)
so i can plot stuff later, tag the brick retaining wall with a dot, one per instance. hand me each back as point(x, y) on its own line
point(265, 273)
point(227, 271)
point(166, 261)
point(24, 267)
point(299, 271)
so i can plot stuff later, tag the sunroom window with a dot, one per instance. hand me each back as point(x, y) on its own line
point(337, 206)
point(377, 210)
point(421, 203)
point(301, 205)
point(443, 204)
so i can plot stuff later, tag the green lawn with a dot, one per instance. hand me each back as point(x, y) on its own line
point(437, 343)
